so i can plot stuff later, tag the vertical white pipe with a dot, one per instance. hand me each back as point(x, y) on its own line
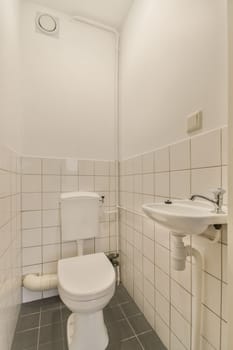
point(116, 107)
point(197, 318)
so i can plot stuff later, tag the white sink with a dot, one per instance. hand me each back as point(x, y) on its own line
point(185, 216)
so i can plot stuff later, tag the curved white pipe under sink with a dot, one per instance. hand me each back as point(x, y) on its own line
point(197, 317)
point(39, 283)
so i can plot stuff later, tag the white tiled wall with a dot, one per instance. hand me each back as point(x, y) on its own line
point(10, 247)
point(194, 165)
point(42, 182)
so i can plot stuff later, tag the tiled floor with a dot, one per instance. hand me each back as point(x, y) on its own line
point(42, 325)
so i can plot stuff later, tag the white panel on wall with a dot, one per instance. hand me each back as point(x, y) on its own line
point(68, 89)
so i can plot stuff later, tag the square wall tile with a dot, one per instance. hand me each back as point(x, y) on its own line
point(31, 183)
point(162, 160)
point(180, 184)
point(181, 300)
point(205, 180)
point(51, 183)
point(162, 258)
point(86, 183)
point(212, 296)
point(206, 150)
point(211, 328)
point(50, 200)
point(149, 313)
point(32, 256)
point(148, 270)
point(148, 249)
point(31, 166)
point(162, 331)
point(162, 185)
point(51, 235)
point(51, 253)
point(162, 307)
point(102, 168)
point(148, 163)
point(225, 184)
point(180, 155)
point(225, 146)
point(69, 249)
point(31, 219)
point(149, 292)
point(224, 302)
point(86, 167)
point(162, 283)
point(181, 328)
point(69, 183)
point(31, 201)
point(137, 165)
point(101, 183)
point(176, 344)
point(31, 237)
point(69, 166)
point(162, 236)
point(51, 166)
point(148, 184)
point(50, 218)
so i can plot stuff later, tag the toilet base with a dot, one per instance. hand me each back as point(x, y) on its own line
point(87, 331)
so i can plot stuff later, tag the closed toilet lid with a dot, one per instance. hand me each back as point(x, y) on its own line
point(86, 277)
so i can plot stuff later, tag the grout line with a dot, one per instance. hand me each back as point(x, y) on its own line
point(38, 336)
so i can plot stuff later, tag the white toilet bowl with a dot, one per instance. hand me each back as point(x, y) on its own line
point(86, 284)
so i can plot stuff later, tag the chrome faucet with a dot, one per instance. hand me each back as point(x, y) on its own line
point(217, 201)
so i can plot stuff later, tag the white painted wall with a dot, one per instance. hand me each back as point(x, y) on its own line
point(10, 110)
point(173, 62)
point(10, 138)
point(69, 89)
point(230, 177)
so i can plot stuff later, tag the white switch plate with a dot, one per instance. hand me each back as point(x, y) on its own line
point(194, 122)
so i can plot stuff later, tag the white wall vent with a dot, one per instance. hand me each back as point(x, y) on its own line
point(47, 24)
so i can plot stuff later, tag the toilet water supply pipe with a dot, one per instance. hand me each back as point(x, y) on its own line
point(36, 282)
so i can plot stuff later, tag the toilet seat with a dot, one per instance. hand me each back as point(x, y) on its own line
point(86, 278)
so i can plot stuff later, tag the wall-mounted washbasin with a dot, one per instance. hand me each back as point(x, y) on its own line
point(184, 217)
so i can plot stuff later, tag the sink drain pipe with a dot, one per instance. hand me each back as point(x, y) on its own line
point(178, 256)
point(178, 260)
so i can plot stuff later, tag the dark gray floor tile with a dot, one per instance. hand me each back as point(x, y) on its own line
point(151, 341)
point(65, 344)
point(51, 303)
point(51, 333)
point(119, 330)
point(52, 346)
point(65, 313)
point(113, 314)
point(50, 316)
point(139, 324)
point(28, 322)
point(30, 308)
point(130, 309)
point(131, 344)
point(25, 340)
point(122, 295)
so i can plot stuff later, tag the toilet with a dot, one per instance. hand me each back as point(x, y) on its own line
point(86, 283)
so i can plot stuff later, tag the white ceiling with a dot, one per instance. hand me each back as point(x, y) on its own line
point(109, 12)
